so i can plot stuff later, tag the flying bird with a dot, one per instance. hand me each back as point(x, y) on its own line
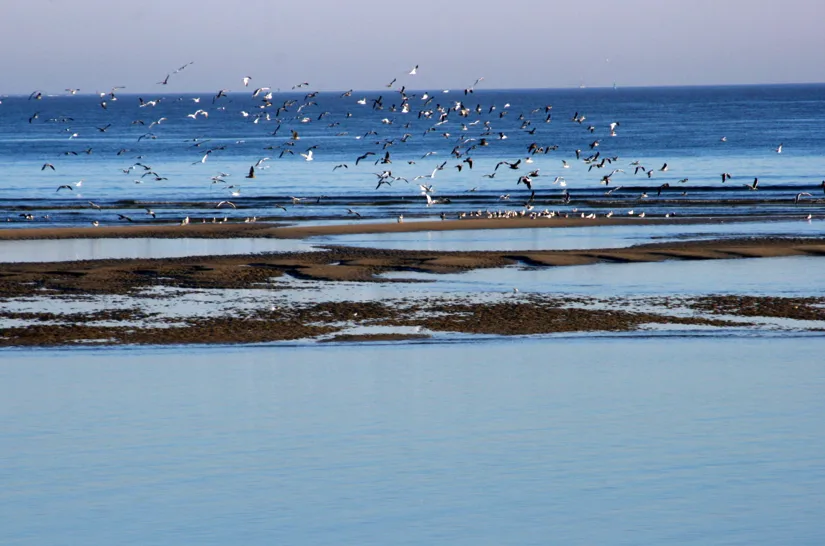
point(800, 195)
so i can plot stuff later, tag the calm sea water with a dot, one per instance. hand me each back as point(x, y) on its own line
point(682, 127)
point(531, 441)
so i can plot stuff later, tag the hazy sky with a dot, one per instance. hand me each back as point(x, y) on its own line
point(363, 44)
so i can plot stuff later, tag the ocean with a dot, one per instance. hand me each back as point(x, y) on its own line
point(671, 434)
point(572, 440)
point(147, 152)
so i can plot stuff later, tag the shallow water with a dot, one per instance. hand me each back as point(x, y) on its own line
point(585, 237)
point(786, 276)
point(575, 440)
point(63, 250)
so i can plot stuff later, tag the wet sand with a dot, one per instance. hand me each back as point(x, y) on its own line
point(336, 263)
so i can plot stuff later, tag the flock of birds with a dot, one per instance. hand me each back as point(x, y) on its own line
point(458, 130)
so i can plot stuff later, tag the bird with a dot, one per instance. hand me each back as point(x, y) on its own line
point(229, 203)
point(366, 155)
point(413, 71)
point(124, 217)
point(251, 172)
point(246, 80)
point(339, 166)
point(779, 149)
point(726, 176)
point(47, 166)
point(68, 187)
point(526, 180)
point(800, 195)
point(94, 205)
point(307, 156)
point(663, 168)
point(754, 185)
point(354, 212)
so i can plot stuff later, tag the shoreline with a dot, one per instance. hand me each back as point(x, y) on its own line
point(43, 288)
point(281, 230)
point(342, 263)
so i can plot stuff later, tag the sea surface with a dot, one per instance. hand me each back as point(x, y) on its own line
point(567, 440)
point(657, 437)
point(134, 155)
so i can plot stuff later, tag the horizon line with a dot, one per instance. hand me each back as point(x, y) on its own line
point(442, 91)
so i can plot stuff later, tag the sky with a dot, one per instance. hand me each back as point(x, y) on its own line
point(51, 45)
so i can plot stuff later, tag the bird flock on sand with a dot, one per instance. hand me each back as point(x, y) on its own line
point(457, 129)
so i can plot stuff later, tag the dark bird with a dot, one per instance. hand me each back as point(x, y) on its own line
point(47, 165)
point(662, 187)
point(366, 155)
point(124, 217)
point(799, 196)
point(251, 172)
point(221, 93)
point(526, 180)
point(342, 165)
point(726, 176)
point(68, 187)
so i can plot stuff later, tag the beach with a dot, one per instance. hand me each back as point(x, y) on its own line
point(324, 318)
